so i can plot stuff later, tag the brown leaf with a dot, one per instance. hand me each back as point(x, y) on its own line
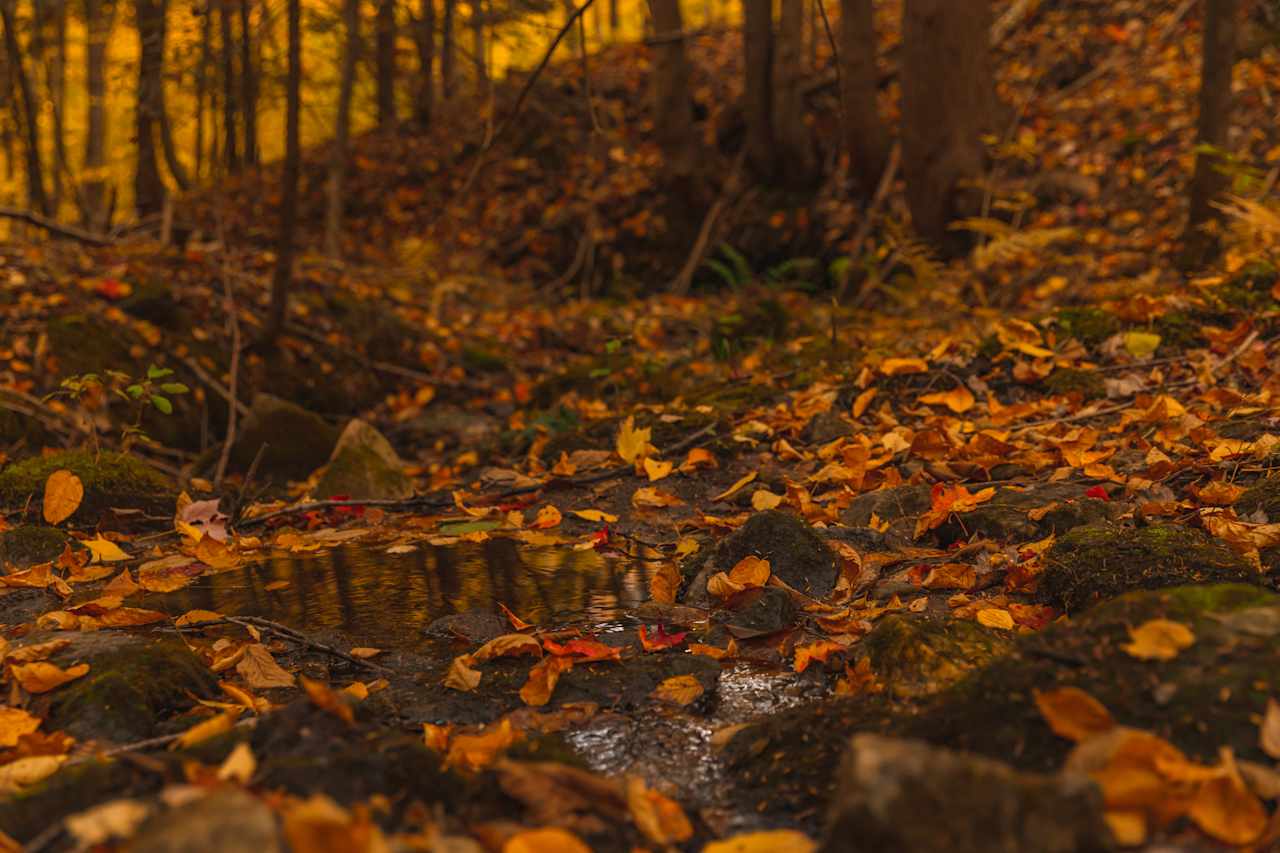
point(462, 674)
point(537, 691)
point(658, 817)
point(1072, 713)
point(41, 677)
point(260, 670)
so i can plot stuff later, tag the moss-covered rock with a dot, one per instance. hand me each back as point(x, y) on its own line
point(129, 691)
point(1007, 517)
point(110, 480)
point(1263, 496)
point(1093, 563)
point(297, 441)
point(1088, 325)
point(73, 789)
point(899, 505)
point(82, 343)
point(364, 467)
point(915, 657)
point(797, 555)
point(757, 613)
point(28, 544)
point(1069, 380)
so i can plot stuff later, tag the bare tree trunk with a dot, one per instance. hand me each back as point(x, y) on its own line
point(448, 49)
point(283, 276)
point(171, 158)
point(477, 43)
point(248, 86)
point(52, 23)
point(757, 36)
point(615, 19)
point(425, 95)
point(148, 188)
point(571, 40)
point(673, 107)
point(386, 64)
point(1214, 124)
point(342, 129)
point(866, 140)
point(37, 199)
point(946, 108)
point(202, 84)
point(794, 141)
point(98, 17)
point(230, 148)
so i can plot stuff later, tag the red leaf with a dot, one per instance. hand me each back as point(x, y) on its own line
point(663, 640)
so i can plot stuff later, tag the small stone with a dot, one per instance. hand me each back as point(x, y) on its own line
point(227, 821)
point(364, 466)
point(973, 804)
point(298, 441)
point(797, 555)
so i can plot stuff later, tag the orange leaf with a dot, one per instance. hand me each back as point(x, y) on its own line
point(818, 651)
point(41, 677)
point(1073, 713)
point(537, 691)
point(63, 492)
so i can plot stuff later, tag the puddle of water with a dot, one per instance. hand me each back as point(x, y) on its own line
point(388, 599)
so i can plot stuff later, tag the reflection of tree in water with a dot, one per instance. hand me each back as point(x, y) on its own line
point(390, 598)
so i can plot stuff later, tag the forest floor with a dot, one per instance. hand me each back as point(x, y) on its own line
point(485, 567)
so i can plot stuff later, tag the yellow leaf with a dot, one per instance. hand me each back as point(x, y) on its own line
point(1226, 810)
point(678, 690)
point(1141, 344)
point(595, 515)
point(658, 817)
point(750, 573)
point(508, 645)
point(1158, 639)
point(547, 517)
point(863, 400)
point(735, 488)
point(462, 675)
point(195, 617)
point(1073, 713)
point(698, 457)
point(41, 677)
point(900, 366)
point(766, 841)
point(104, 550)
point(63, 492)
point(477, 751)
point(239, 765)
point(664, 583)
point(995, 617)
point(14, 723)
point(27, 771)
point(1128, 827)
point(212, 727)
point(958, 399)
point(763, 500)
point(632, 443)
point(818, 651)
point(549, 839)
point(541, 684)
point(364, 652)
point(651, 497)
point(657, 469)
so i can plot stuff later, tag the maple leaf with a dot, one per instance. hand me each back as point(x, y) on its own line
point(946, 500)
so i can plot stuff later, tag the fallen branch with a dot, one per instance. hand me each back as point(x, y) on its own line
point(234, 322)
point(53, 227)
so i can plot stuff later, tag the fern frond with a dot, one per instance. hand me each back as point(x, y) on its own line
point(1259, 223)
point(912, 252)
point(1018, 244)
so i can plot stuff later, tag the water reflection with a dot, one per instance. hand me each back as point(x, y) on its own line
point(387, 599)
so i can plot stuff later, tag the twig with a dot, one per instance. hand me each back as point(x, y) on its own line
point(68, 231)
point(214, 385)
point(234, 322)
point(868, 220)
point(1235, 353)
point(299, 638)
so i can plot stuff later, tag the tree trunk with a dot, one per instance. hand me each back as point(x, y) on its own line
point(230, 148)
point(946, 108)
point(386, 64)
point(1214, 123)
point(248, 86)
point(342, 129)
point(866, 140)
point(37, 199)
point(571, 40)
point(148, 188)
point(448, 49)
point(757, 36)
point(425, 95)
point(794, 141)
point(477, 43)
point(283, 275)
point(673, 107)
point(615, 19)
point(202, 84)
point(98, 17)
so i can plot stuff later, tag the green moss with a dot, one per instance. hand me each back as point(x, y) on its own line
point(1089, 325)
point(1250, 290)
point(110, 480)
point(129, 691)
point(1093, 563)
point(1263, 495)
point(1179, 330)
point(360, 473)
point(915, 657)
point(1068, 380)
point(28, 544)
point(483, 360)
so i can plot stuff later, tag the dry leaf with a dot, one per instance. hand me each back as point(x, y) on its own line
point(239, 765)
point(657, 470)
point(1269, 730)
point(462, 675)
point(260, 670)
point(632, 443)
point(749, 573)
point(477, 751)
point(104, 551)
point(995, 617)
point(63, 492)
point(765, 841)
point(328, 700)
point(14, 723)
point(41, 677)
point(595, 515)
point(1158, 639)
point(508, 645)
point(114, 820)
point(212, 727)
point(735, 488)
point(549, 839)
point(1073, 713)
point(28, 771)
point(678, 690)
point(658, 817)
point(541, 684)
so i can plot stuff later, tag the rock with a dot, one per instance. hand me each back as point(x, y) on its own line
point(472, 626)
point(298, 441)
point(111, 480)
point(916, 657)
point(826, 427)
point(1097, 562)
point(796, 554)
point(1006, 518)
point(900, 506)
point(224, 821)
point(449, 424)
point(132, 686)
point(1262, 497)
point(364, 466)
point(757, 613)
point(28, 544)
point(973, 804)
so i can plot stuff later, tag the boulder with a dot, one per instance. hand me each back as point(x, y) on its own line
point(797, 555)
point(111, 481)
point(224, 821)
point(911, 797)
point(298, 441)
point(364, 466)
point(29, 544)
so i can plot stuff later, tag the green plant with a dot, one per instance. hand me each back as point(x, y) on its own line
point(148, 392)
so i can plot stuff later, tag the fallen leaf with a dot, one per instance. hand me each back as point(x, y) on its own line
point(104, 550)
point(661, 640)
point(212, 727)
point(549, 839)
point(958, 399)
point(653, 498)
point(632, 443)
point(327, 699)
point(260, 670)
point(763, 500)
point(14, 723)
point(462, 675)
point(589, 651)
point(596, 515)
point(748, 573)
point(546, 518)
point(1158, 639)
point(508, 645)
point(765, 841)
point(1269, 730)
point(19, 774)
point(110, 821)
point(995, 617)
point(1227, 811)
point(735, 488)
point(63, 493)
point(541, 684)
point(678, 690)
point(664, 583)
point(239, 765)
point(1073, 713)
point(819, 651)
point(477, 751)
point(41, 677)
point(658, 817)
point(657, 470)
point(195, 617)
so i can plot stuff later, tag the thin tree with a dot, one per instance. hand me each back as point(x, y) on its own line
point(203, 61)
point(477, 44)
point(248, 86)
point(948, 101)
point(865, 139)
point(148, 187)
point(1214, 124)
point(230, 108)
point(283, 275)
point(99, 16)
point(386, 64)
point(171, 158)
point(448, 49)
point(342, 129)
point(794, 141)
point(36, 196)
point(758, 48)
point(673, 106)
point(425, 40)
